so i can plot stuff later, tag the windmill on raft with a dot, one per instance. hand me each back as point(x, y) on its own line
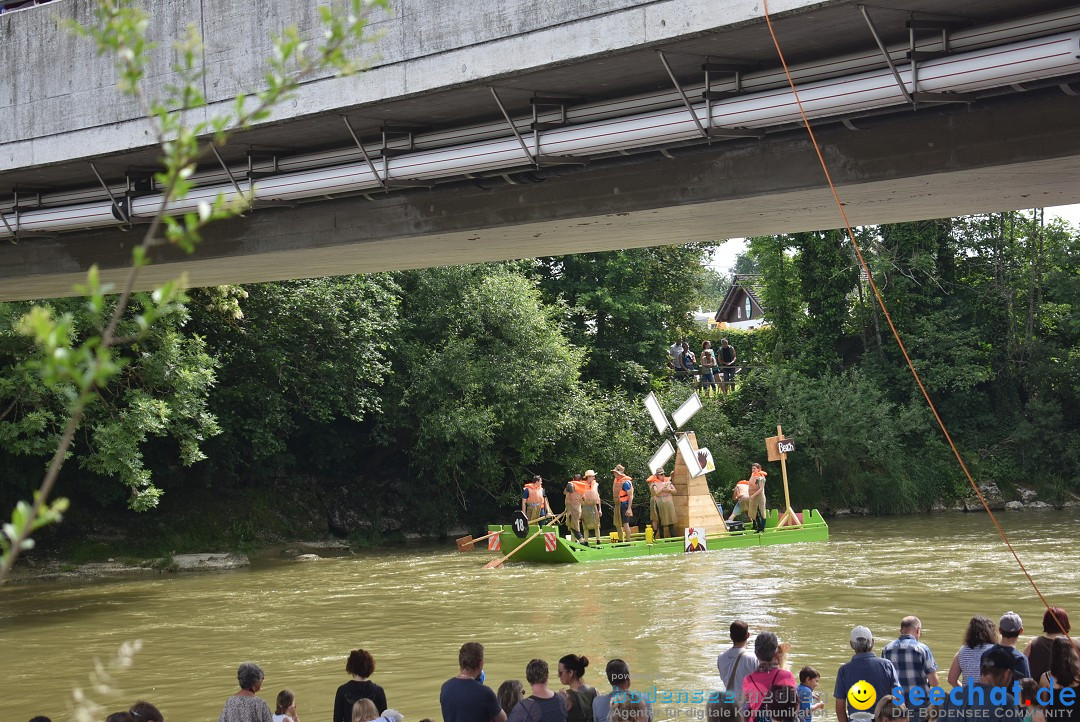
point(694, 504)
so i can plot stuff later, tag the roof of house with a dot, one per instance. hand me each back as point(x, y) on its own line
point(751, 283)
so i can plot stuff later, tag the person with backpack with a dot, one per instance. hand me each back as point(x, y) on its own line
point(737, 662)
point(763, 684)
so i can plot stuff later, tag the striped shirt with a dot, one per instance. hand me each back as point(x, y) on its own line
point(970, 659)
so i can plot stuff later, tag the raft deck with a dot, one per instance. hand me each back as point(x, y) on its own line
point(538, 550)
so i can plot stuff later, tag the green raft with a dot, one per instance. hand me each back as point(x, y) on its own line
point(539, 549)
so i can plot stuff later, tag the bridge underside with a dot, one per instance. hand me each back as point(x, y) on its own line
point(1018, 151)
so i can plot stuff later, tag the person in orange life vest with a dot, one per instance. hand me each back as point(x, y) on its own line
point(622, 490)
point(534, 503)
point(661, 489)
point(575, 494)
point(755, 504)
point(741, 495)
point(590, 510)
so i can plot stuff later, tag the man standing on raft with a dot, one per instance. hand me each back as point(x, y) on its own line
point(622, 491)
point(661, 488)
point(755, 504)
point(590, 510)
point(534, 503)
point(575, 495)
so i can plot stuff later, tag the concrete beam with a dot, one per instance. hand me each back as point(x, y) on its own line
point(63, 105)
point(1017, 152)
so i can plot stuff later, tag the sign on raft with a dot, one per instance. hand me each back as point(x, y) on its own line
point(694, 539)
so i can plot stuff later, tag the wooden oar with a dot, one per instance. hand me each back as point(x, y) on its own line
point(467, 543)
point(494, 563)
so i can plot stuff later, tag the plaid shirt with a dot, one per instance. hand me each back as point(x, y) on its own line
point(913, 661)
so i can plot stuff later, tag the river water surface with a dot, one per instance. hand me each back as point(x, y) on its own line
point(413, 607)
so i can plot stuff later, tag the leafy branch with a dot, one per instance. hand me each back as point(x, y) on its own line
point(82, 369)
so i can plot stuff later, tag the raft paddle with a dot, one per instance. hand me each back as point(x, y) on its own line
point(495, 563)
point(467, 543)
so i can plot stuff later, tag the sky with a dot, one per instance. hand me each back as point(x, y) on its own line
point(724, 256)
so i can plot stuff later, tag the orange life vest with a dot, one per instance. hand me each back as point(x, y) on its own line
point(655, 484)
point(581, 487)
point(758, 472)
point(624, 495)
point(741, 482)
point(536, 493)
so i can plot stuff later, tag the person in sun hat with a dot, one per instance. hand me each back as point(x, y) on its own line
point(622, 491)
point(590, 508)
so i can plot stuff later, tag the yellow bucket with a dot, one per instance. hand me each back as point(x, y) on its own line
point(614, 537)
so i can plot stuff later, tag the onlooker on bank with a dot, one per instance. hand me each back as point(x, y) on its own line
point(914, 662)
point(1055, 624)
point(735, 663)
point(465, 698)
point(758, 685)
point(579, 697)
point(360, 665)
point(809, 699)
point(980, 636)
point(977, 701)
point(543, 705)
point(510, 693)
point(864, 666)
point(363, 710)
point(145, 712)
point(1064, 673)
point(245, 706)
point(1010, 627)
point(618, 675)
point(285, 707)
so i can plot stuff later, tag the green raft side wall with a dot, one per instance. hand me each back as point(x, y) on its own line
point(813, 529)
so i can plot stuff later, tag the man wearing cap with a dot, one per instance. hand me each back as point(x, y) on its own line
point(914, 662)
point(622, 490)
point(1011, 627)
point(978, 702)
point(590, 509)
point(864, 666)
point(663, 505)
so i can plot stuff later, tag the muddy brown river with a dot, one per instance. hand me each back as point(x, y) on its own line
point(413, 607)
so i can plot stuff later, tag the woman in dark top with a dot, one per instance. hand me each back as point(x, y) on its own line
point(543, 705)
point(360, 666)
point(580, 696)
point(1064, 674)
point(1055, 624)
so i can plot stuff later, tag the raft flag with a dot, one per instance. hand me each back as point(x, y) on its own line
point(493, 543)
point(549, 541)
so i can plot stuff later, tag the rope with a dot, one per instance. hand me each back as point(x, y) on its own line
point(892, 327)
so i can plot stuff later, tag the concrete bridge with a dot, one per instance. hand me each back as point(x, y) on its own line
point(1010, 146)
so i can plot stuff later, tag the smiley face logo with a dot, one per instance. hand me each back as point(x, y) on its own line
point(862, 695)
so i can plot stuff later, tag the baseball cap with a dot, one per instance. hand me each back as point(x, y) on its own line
point(998, 657)
point(861, 633)
point(1011, 622)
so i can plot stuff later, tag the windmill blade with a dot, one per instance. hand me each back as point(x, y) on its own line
point(684, 413)
point(662, 456)
point(659, 418)
point(688, 456)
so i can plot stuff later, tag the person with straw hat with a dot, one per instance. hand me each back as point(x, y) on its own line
point(590, 509)
point(661, 489)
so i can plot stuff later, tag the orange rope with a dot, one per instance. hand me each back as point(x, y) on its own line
point(885, 311)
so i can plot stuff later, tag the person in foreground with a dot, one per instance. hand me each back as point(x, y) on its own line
point(244, 706)
point(864, 666)
point(542, 705)
point(977, 701)
point(360, 665)
point(618, 674)
point(465, 698)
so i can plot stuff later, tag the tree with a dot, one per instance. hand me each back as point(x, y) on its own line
point(827, 274)
point(625, 307)
point(83, 367)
